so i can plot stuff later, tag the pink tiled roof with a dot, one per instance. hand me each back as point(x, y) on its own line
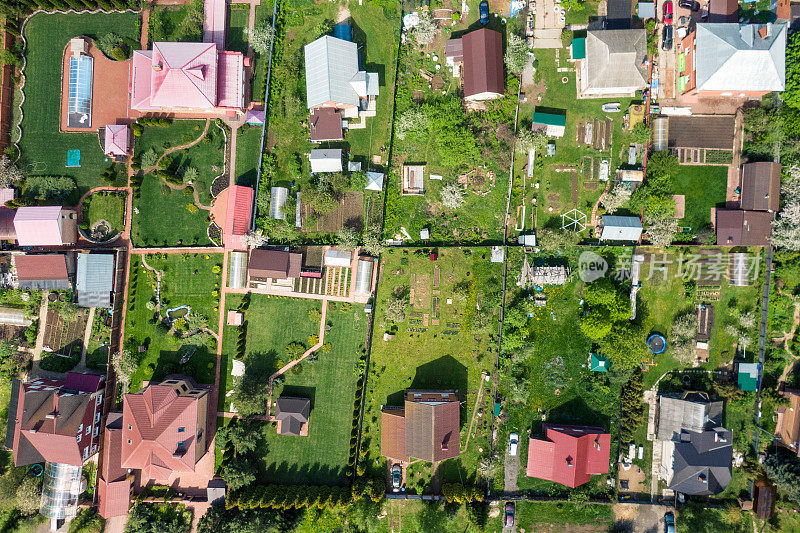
point(38, 226)
point(6, 194)
point(229, 84)
point(231, 211)
point(184, 75)
point(214, 22)
point(141, 69)
point(116, 139)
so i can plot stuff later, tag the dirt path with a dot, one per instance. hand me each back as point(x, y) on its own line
point(309, 351)
point(597, 203)
point(474, 412)
point(37, 350)
point(87, 335)
point(787, 337)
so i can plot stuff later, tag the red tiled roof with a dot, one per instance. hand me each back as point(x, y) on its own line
point(231, 211)
point(427, 428)
point(150, 431)
point(326, 124)
point(113, 498)
point(393, 434)
point(113, 489)
point(41, 267)
point(570, 455)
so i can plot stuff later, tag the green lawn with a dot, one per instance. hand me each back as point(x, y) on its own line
point(109, 207)
point(188, 280)
point(703, 187)
point(263, 16)
point(165, 218)
point(235, 39)
point(544, 516)
point(450, 355)
point(43, 147)
point(248, 148)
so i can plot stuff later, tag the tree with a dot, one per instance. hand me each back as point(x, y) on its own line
point(239, 472)
point(616, 198)
point(784, 469)
point(786, 226)
point(425, 32)
point(489, 466)
point(452, 196)
point(108, 42)
point(396, 309)
point(260, 37)
point(219, 520)
point(9, 173)
point(683, 332)
point(124, 365)
point(373, 243)
point(149, 158)
point(254, 239)
point(49, 188)
point(662, 164)
point(28, 495)
point(641, 133)
point(152, 518)
point(412, 122)
point(607, 306)
point(516, 54)
point(792, 93)
point(528, 140)
point(347, 238)
point(632, 407)
point(661, 230)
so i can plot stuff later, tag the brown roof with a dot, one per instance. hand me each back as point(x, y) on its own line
point(712, 132)
point(743, 228)
point(152, 439)
point(788, 427)
point(761, 186)
point(764, 499)
point(723, 11)
point(41, 267)
point(454, 48)
point(393, 433)
point(432, 425)
point(483, 62)
point(7, 231)
point(273, 264)
point(326, 124)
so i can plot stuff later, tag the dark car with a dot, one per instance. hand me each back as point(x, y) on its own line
point(509, 514)
point(668, 12)
point(666, 45)
point(483, 9)
point(669, 522)
point(690, 4)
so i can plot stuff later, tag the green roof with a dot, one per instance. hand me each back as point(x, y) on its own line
point(579, 48)
point(748, 376)
point(549, 119)
point(598, 363)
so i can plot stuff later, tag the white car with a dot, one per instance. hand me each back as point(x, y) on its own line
point(513, 444)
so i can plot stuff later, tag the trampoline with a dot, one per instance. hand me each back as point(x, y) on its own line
point(80, 91)
point(656, 343)
point(73, 158)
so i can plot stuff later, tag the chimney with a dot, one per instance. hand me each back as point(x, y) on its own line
point(702, 478)
point(569, 460)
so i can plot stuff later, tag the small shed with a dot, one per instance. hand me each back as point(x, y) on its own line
point(413, 179)
point(238, 368)
point(325, 160)
point(374, 181)
point(620, 228)
point(277, 199)
point(338, 258)
point(646, 10)
point(235, 318)
point(598, 363)
point(116, 140)
point(630, 175)
point(551, 124)
point(498, 254)
point(747, 376)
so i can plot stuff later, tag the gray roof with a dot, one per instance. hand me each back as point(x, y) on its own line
point(293, 413)
point(332, 73)
point(44, 284)
point(620, 228)
point(326, 160)
point(95, 280)
point(615, 58)
point(646, 10)
point(694, 413)
point(734, 57)
point(701, 462)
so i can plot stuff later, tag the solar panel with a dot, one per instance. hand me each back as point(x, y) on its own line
point(80, 84)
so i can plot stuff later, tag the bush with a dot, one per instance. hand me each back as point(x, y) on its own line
point(192, 208)
point(119, 54)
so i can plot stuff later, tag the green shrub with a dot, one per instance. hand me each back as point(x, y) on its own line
point(118, 54)
point(192, 208)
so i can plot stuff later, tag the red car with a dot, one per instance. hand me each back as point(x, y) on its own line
point(668, 12)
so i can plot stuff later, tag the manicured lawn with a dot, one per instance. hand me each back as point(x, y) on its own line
point(108, 207)
point(235, 39)
point(448, 355)
point(165, 219)
point(248, 148)
point(703, 188)
point(545, 516)
point(188, 280)
point(44, 148)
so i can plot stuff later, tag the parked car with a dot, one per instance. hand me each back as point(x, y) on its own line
point(669, 522)
point(513, 444)
point(397, 478)
point(666, 45)
point(668, 12)
point(690, 4)
point(509, 514)
point(483, 9)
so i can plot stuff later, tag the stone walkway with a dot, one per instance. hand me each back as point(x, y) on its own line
point(311, 350)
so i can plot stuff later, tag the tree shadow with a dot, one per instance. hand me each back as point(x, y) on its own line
point(297, 391)
point(575, 412)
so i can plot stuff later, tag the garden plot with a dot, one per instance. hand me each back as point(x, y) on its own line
point(63, 336)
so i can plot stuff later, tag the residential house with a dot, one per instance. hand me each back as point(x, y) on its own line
point(620, 228)
point(42, 272)
point(116, 141)
point(94, 282)
point(614, 63)
point(164, 428)
point(551, 124)
point(186, 77)
point(569, 455)
point(231, 210)
point(271, 265)
point(787, 427)
point(426, 427)
point(732, 59)
point(760, 187)
point(326, 160)
point(334, 79)
point(479, 56)
point(743, 228)
point(325, 124)
point(721, 11)
point(292, 416)
point(46, 226)
point(690, 411)
point(747, 376)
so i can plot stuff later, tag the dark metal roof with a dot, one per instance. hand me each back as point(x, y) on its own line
point(761, 186)
point(743, 228)
point(712, 132)
point(483, 62)
point(702, 462)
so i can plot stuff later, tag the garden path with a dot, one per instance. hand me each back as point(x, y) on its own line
point(87, 334)
point(597, 203)
point(220, 324)
point(474, 412)
point(309, 351)
point(788, 337)
point(37, 350)
point(158, 274)
point(232, 164)
point(145, 27)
